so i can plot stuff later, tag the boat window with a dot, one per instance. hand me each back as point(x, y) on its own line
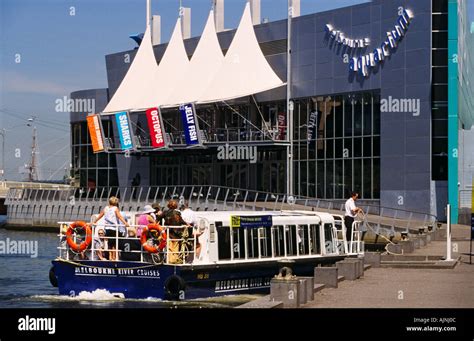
point(303, 240)
point(328, 241)
point(252, 243)
point(238, 243)
point(291, 240)
point(277, 241)
point(264, 237)
point(338, 225)
point(223, 238)
point(315, 239)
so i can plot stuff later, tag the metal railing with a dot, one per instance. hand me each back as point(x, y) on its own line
point(81, 203)
point(182, 255)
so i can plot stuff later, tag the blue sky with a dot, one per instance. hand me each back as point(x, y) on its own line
point(46, 53)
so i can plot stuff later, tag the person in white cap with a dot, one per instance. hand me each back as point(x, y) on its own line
point(145, 219)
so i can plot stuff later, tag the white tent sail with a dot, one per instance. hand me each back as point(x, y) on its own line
point(245, 70)
point(139, 73)
point(204, 65)
point(168, 75)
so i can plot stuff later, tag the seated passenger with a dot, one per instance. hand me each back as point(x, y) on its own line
point(99, 246)
point(130, 246)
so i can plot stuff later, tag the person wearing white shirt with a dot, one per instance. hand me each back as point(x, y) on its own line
point(351, 213)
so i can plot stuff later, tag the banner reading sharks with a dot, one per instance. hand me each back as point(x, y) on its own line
point(124, 131)
point(155, 125)
point(190, 124)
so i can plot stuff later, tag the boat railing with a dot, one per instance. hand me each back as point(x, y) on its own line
point(180, 246)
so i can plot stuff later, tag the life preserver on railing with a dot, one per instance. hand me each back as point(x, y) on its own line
point(72, 229)
point(144, 238)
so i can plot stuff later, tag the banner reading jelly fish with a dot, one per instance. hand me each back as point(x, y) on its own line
point(190, 124)
point(124, 131)
point(95, 133)
point(155, 126)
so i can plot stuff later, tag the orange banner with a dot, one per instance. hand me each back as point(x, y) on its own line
point(95, 133)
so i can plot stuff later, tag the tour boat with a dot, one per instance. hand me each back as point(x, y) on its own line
point(240, 252)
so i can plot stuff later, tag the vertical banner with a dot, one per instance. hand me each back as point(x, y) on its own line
point(312, 128)
point(95, 133)
point(124, 131)
point(190, 124)
point(282, 126)
point(155, 126)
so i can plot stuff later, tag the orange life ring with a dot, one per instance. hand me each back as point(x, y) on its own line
point(72, 229)
point(144, 238)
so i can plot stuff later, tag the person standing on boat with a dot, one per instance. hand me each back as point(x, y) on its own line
point(147, 217)
point(189, 217)
point(172, 217)
point(112, 216)
point(158, 215)
point(351, 213)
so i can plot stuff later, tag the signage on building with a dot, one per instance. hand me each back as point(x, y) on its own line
point(282, 126)
point(312, 124)
point(124, 131)
point(363, 63)
point(340, 37)
point(95, 133)
point(155, 126)
point(190, 124)
point(250, 221)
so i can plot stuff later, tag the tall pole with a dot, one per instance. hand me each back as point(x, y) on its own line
point(33, 171)
point(289, 107)
point(148, 13)
point(448, 235)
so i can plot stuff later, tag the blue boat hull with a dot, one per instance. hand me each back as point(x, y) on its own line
point(144, 280)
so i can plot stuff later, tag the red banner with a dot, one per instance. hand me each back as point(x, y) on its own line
point(155, 127)
point(282, 126)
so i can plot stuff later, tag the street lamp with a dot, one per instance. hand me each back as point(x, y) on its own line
point(3, 133)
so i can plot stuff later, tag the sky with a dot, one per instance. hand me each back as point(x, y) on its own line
point(50, 48)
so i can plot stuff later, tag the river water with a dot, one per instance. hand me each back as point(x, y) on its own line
point(24, 282)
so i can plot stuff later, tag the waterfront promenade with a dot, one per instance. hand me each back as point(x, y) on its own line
point(409, 288)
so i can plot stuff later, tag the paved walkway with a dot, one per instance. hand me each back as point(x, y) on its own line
point(409, 288)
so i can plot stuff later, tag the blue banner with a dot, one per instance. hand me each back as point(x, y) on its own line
point(251, 221)
point(190, 124)
point(124, 131)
